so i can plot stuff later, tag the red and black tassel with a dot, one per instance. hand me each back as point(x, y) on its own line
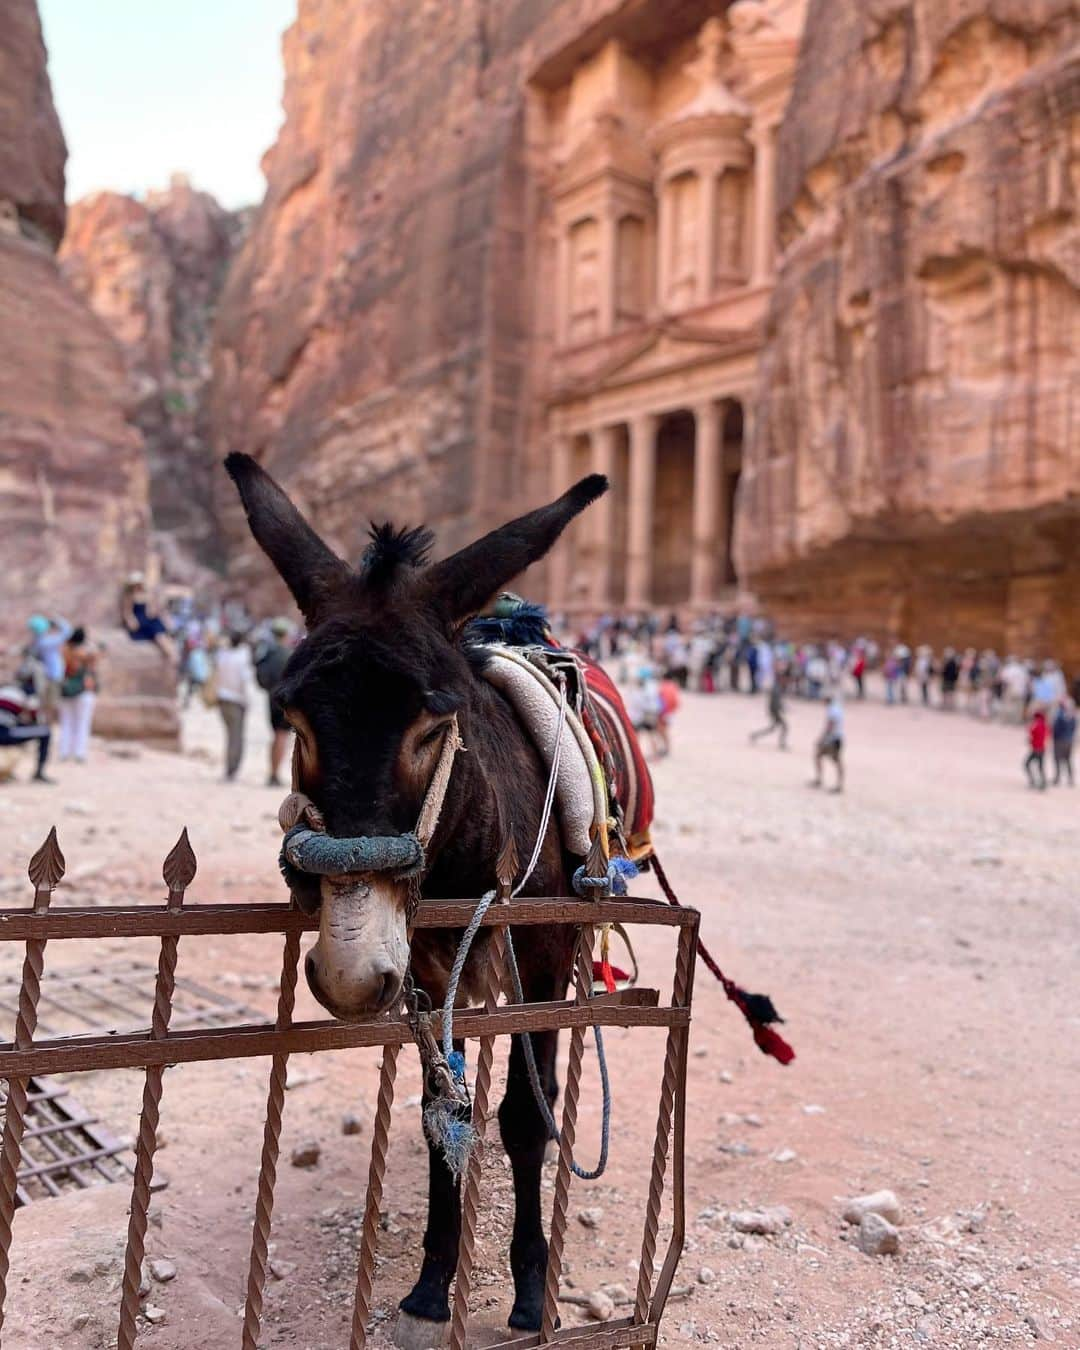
point(758, 1009)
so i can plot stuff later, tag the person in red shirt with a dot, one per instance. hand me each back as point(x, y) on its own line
point(858, 670)
point(1037, 736)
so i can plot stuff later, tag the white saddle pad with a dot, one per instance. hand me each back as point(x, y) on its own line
point(580, 792)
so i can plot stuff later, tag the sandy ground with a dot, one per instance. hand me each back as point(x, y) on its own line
point(919, 933)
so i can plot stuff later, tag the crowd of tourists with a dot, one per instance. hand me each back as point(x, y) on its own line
point(51, 683)
point(744, 653)
point(219, 655)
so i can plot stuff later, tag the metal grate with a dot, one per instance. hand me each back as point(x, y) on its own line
point(101, 999)
point(64, 1147)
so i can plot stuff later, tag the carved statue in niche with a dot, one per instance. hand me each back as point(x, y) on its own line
point(630, 276)
point(730, 261)
point(682, 288)
point(584, 280)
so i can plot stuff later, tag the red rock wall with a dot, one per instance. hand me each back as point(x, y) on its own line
point(153, 272)
point(373, 340)
point(914, 464)
point(72, 470)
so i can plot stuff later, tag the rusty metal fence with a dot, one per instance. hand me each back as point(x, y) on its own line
point(26, 1059)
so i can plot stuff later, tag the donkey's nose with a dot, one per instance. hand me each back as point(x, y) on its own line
point(387, 989)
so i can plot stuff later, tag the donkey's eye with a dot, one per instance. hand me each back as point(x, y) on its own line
point(430, 737)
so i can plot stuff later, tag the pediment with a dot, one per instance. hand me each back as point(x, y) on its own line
point(610, 148)
point(660, 351)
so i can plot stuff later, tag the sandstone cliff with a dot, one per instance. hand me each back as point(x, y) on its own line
point(153, 272)
point(915, 458)
point(372, 339)
point(72, 469)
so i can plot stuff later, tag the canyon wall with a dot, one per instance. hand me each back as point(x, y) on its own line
point(153, 270)
point(72, 470)
point(372, 342)
point(914, 461)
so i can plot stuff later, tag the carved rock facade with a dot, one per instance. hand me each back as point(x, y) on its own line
point(914, 461)
point(72, 469)
point(497, 238)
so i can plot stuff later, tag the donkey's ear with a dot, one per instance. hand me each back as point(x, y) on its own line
point(310, 570)
point(462, 584)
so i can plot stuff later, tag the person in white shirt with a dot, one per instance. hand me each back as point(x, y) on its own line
point(830, 744)
point(233, 671)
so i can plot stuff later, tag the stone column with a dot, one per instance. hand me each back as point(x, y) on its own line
point(663, 249)
point(608, 262)
point(642, 495)
point(708, 546)
point(562, 286)
point(602, 511)
point(707, 204)
point(562, 450)
point(764, 204)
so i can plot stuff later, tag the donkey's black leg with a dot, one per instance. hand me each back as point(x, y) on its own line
point(525, 1136)
point(429, 1297)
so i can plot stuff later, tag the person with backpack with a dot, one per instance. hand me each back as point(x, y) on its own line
point(269, 669)
point(78, 694)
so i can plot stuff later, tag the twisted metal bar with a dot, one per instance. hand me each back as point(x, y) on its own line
point(275, 1104)
point(674, 1060)
point(178, 871)
point(470, 1191)
point(46, 870)
point(380, 1142)
point(568, 1130)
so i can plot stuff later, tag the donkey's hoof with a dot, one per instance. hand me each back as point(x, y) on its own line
point(527, 1316)
point(419, 1333)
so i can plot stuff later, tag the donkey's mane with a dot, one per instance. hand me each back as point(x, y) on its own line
point(392, 549)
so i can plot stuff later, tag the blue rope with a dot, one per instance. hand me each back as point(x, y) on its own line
point(538, 1088)
point(456, 1137)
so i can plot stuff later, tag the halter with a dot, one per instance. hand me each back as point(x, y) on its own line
point(308, 847)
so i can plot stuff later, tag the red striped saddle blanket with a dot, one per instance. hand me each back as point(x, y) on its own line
point(630, 788)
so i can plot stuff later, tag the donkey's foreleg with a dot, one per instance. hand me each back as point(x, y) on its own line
point(525, 1135)
point(429, 1297)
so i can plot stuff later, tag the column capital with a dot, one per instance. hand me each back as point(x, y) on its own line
point(707, 410)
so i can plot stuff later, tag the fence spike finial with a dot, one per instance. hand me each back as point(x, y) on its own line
point(180, 865)
point(47, 866)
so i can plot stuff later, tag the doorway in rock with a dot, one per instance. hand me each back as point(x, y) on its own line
point(733, 443)
point(673, 509)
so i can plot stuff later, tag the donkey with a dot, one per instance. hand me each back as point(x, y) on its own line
point(371, 693)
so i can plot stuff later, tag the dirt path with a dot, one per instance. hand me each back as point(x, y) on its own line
point(919, 933)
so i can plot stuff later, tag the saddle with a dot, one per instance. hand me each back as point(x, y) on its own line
point(603, 787)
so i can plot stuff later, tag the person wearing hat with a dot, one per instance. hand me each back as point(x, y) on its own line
point(268, 671)
point(47, 638)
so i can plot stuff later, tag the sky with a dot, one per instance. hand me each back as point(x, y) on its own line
point(146, 89)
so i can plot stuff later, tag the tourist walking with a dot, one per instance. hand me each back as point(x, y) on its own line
point(1034, 765)
point(858, 670)
point(830, 744)
point(78, 694)
point(232, 677)
point(1064, 729)
point(269, 669)
point(777, 720)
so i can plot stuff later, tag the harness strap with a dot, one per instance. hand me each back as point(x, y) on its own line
point(309, 848)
